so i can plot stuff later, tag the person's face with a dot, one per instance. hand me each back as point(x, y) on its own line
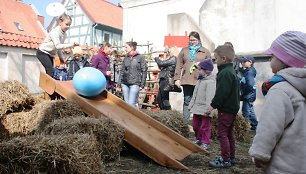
point(65, 24)
point(108, 50)
point(219, 60)
point(77, 56)
point(276, 65)
point(127, 48)
point(193, 41)
point(247, 64)
point(201, 72)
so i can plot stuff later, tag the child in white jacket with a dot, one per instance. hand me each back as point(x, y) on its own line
point(280, 140)
point(202, 95)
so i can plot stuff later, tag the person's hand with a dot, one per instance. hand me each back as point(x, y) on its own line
point(108, 73)
point(259, 163)
point(118, 89)
point(178, 83)
point(209, 110)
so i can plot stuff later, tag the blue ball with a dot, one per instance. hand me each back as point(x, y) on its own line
point(89, 82)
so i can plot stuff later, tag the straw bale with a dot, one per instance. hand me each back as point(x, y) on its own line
point(241, 128)
point(41, 115)
point(109, 134)
point(14, 97)
point(69, 153)
point(170, 118)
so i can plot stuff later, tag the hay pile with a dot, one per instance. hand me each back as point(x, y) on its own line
point(52, 154)
point(170, 118)
point(40, 116)
point(108, 134)
point(242, 128)
point(14, 97)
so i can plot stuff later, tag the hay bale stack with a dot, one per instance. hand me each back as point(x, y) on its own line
point(172, 119)
point(14, 97)
point(109, 134)
point(40, 116)
point(53, 154)
point(241, 131)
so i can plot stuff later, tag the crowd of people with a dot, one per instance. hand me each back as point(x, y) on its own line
point(278, 146)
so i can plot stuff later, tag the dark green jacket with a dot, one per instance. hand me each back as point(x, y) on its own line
point(227, 94)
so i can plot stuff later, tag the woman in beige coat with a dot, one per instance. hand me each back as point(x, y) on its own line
point(185, 75)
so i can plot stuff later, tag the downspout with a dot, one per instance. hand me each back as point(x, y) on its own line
point(94, 33)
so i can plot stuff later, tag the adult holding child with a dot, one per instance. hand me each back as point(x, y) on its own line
point(166, 76)
point(186, 74)
point(54, 43)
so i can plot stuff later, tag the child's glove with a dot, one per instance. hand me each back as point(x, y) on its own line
point(192, 68)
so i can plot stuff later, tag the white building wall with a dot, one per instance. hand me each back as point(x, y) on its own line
point(146, 20)
point(22, 65)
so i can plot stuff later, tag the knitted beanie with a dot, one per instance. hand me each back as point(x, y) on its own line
point(290, 48)
point(207, 65)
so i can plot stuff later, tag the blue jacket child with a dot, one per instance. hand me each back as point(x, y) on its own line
point(248, 91)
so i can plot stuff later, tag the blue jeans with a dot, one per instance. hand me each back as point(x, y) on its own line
point(188, 92)
point(248, 113)
point(130, 94)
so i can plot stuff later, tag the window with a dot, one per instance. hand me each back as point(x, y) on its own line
point(106, 37)
point(18, 26)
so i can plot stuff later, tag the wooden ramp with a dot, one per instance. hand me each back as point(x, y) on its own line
point(149, 136)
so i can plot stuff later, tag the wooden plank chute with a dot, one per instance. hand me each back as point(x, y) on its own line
point(144, 133)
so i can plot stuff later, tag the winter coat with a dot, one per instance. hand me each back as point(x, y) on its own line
point(75, 65)
point(248, 85)
point(102, 62)
point(281, 133)
point(133, 71)
point(183, 65)
point(203, 93)
point(227, 97)
point(167, 67)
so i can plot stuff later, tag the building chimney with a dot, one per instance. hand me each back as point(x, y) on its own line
point(41, 20)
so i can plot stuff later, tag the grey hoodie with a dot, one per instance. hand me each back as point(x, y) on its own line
point(281, 133)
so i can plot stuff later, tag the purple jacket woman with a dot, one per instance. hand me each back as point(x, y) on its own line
point(101, 61)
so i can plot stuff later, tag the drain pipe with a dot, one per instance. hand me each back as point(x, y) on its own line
point(94, 33)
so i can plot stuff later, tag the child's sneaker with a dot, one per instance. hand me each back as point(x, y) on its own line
point(198, 142)
point(220, 163)
point(204, 146)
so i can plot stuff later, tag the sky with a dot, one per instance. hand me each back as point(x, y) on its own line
point(42, 4)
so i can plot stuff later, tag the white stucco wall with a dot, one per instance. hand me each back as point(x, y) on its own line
point(146, 20)
point(20, 64)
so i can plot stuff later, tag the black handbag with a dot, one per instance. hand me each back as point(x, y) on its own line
point(171, 87)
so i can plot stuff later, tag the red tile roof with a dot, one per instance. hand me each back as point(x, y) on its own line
point(179, 41)
point(17, 40)
point(103, 12)
point(32, 32)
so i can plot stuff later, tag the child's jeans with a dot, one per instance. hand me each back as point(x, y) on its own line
point(202, 128)
point(130, 94)
point(249, 113)
point(225, 132)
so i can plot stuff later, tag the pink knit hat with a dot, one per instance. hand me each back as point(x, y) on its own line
point(290, 48)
